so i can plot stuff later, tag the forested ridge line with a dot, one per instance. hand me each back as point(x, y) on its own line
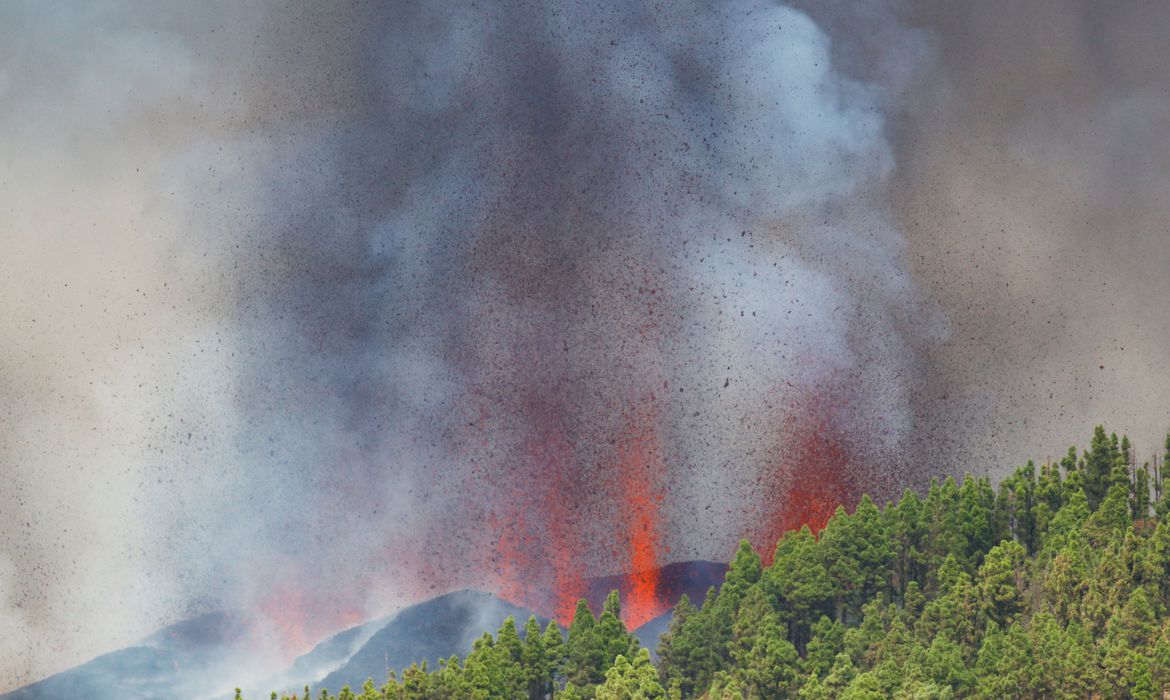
point(1054, 584)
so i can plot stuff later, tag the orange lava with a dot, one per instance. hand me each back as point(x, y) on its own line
point(811, 474)
point(300, 622)
point(510, 552)
point(285, 610)
point(567, 583)
point(537, 551)
point(640, 473)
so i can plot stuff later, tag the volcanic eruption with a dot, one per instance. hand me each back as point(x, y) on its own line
point(319, 310)
point(521, 295)
point(550, 305)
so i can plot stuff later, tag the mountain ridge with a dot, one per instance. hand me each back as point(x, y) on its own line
point(189, 658)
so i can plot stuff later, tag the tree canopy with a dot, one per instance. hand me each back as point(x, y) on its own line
point(1054, 584)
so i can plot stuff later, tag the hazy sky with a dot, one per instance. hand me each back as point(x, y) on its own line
point(407, 294)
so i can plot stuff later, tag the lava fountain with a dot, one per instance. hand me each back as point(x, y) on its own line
point(810, 474)
point(641, 473)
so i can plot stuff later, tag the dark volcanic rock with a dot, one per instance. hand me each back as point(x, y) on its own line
point(429, 631)
point(201, 657)
point(690, 577)
point(174, 662)
point(310, 668)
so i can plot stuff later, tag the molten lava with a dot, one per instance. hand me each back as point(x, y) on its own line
point(542, 528)
point(811, 473)
point(285, 610)
point(562, 544)
point(537, 550)
point(641, 474)
point(299, 620)
point(567, 481)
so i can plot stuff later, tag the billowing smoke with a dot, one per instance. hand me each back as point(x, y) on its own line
point(316, 311)
point(549, 301)
point(1030, 192)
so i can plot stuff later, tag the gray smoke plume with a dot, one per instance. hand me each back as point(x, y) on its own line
point(1030, 192)
point(318, 310)
point(540, 225)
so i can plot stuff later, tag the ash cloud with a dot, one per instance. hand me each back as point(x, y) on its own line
point(1032, 168)
point(543, 232)
point(377, 272)
point(354, 293)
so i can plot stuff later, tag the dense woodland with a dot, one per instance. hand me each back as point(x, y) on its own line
point(1056, 584)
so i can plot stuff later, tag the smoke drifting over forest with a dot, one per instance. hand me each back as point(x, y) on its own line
point(318, 311)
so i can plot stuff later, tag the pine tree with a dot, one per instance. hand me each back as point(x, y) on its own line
point(840, 675)
point(636, 680)
point(554, 649)
point(742, 574)
point(1112, 517)
point(1001, 582)
point(857, 555)
point(764, 660)
point(1099, 463)
point(584, 655)
point(1162, 504)
point(945, 665)
point(826, 641)
point(611, 634)
point(675, 649)
point(1129, 639)
point(956, 609)
point(534, 658)
point(798, 584)
point(1166, 454)
point(508, 642)
point(1140, 499)
point(944, 529)
point(907, 532)
point(976, 504)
